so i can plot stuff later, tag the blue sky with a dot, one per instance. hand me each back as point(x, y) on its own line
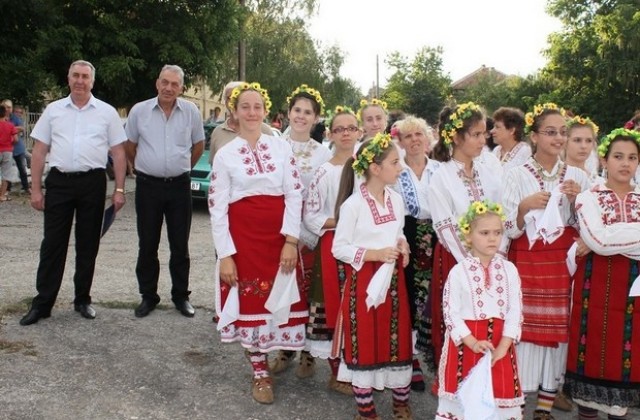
point(506, 34)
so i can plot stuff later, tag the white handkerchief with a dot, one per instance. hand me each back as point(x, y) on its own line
point(635, 287)
point(530, 225)
point(550, 227)
point(476, 392)
point(379, 284)
point(283, 294)
point(571, 259)
point(231, 310)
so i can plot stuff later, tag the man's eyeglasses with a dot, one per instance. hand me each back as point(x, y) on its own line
point(553, 133)
point(340, 130)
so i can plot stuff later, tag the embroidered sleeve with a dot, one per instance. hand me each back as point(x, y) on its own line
point(219, 196)
point(313, 215)
point(511, 200)
point(602, 233)
point(453, 300)
point(292, 187)
point(343, 247)
point(513, 317)
point(445, 226)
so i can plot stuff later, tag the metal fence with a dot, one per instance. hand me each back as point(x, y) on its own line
point(30, 120)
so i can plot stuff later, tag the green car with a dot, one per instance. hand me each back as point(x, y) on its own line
point(202, 169)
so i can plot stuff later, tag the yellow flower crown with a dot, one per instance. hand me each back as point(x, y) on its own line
point(376, 146)
point(374, 102)
point(618, 132)
point(311, 91)
point(456, 120)
point(583, 121)
point(530, 117)
point(338, 109)
point(478, 208)
point(235, 93)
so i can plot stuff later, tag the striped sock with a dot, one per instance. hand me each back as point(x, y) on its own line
point(334, 364)
point(612, 417)
point(586, 413)
point(545, 400)
point(364, 400)
point(259, 364)
point(401, 396)
point(416, 375)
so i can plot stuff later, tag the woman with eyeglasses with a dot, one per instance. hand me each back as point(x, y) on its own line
point(539, 251)
point(463, 177)
point(418, 229)
point(305, 107)
point(319, 218)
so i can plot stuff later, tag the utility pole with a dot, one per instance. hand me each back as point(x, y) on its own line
point(242, 55)
point(377, 77)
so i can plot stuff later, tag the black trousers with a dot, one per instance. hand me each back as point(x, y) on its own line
point(82, 195)
point(159, 199)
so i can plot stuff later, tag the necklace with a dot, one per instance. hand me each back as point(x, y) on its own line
point(543, 174)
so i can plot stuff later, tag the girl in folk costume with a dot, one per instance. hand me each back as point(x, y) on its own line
point(319, 218)
point(603, 373)
point(373, 116)
point(462, 179)
point(482, 307)
point(374, 320)
point(255, 178)
point(582, 138)
point(305, 107)
point(418, 229)
point(508, 134)
point(540, 254)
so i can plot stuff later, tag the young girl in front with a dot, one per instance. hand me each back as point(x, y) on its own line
point(374, 319)
point(541, 261)
point(327, 278)
point(482, 307)
point(602, 370)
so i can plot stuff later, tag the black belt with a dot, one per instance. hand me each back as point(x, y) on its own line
point(76, 174)
point(178, 178)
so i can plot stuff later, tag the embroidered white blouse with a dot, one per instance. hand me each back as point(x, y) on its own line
point(309, 156)
point(322, 195)
point(517, 156)
point(450, 194)
point(239, 172)
point(366, 224)
point(524, 180)
point(414, 190)
point(610, 225)
point(475, 293)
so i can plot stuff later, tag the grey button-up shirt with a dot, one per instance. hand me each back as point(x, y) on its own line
point(164, 144)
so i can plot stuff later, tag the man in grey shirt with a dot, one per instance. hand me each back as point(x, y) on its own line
point(166, 139)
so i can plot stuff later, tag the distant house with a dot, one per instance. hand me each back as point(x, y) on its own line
point(473, 78)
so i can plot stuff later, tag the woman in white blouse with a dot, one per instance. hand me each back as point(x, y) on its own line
point(255, 203)
point(508, 133)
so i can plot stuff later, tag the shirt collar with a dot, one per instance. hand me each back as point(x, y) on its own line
point(69, 102)
point(156, 104)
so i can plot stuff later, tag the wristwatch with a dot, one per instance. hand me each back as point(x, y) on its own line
point(120, 190)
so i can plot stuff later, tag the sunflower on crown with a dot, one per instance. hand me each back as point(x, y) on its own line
point(309, 90)
point(376, 146)
point(235, 94)
point(583, 121)
point(530, 117)
point(478, 208)
point(374, 102)
point(338, 109)
point(456, 121)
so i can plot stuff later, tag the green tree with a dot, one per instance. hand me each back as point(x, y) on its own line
point(127, 40)
point(419, 86)
point(595, 58)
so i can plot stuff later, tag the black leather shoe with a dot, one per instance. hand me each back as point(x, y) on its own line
point(185, 308)
point(33, 316)
point(86, 311)
point(145, 308)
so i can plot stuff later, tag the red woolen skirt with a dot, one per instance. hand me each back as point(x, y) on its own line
point(378, 337)
point(546, 288)
point(443, 262)
point(254, 224)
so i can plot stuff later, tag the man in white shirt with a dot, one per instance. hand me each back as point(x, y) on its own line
point(78, 132)
point(166, 139)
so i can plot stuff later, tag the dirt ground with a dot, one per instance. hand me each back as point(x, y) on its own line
point(164, 366)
